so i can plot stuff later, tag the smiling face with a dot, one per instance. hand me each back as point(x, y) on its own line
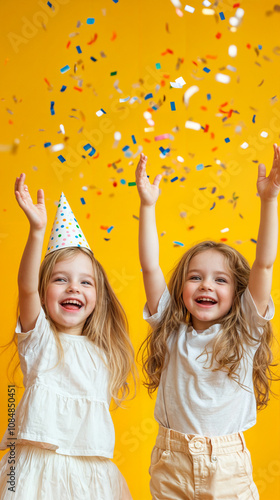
point(71, 293)
point(209, 289)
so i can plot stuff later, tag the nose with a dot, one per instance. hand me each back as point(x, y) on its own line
point(73, 287)
point(206, 285)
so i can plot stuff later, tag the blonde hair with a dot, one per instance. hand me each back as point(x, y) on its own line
point(230, 346)
point(106, 327)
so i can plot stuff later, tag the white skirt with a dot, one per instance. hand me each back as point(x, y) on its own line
point(41, 474)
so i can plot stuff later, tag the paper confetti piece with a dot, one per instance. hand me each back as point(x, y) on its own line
point(63, 88)
point(178, 243)
point(253, 241)
point(161, 137)
point(52, 108)
point(189, 93)
point(232, 51)
point(264, 134)
point(83, 201)
point(100, 112)
point(132, 184)
point(213, 206)
point(90, 20)
point(207, 70)
point(199, 167)
point(47, 144)
point(220, 77)
point(208, 97)
point(227, 139)
point(148, 96)
point(158, 66)
point(61, 158)
point(133, 139)
point(245, 145)
point(113, 73)
point(222, 16)
point(79, 50)
point(179, 83)
point(56, 147)
point(110, 229)
point(125, 99)
point(172, 105)
point(190, 9)
point(93, 39)
point(192, 125)
point(174, 179)
point(114, 36)
point(64, 69)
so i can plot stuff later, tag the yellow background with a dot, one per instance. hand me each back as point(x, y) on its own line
point(132, 37)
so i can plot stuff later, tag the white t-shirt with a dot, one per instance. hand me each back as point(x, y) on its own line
point(66, 408)
point(192, 399)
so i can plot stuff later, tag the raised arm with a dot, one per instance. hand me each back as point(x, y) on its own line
point(29, 300)
point(154, 281)
point(261, 273)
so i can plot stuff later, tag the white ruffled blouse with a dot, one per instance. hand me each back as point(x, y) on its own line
point(65, 407)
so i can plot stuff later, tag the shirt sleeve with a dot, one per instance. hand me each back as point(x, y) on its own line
point(254, 319)
point(163, 302)
point(30, 339)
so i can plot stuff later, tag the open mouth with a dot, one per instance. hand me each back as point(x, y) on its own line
point(206, 301)
point(71, 304)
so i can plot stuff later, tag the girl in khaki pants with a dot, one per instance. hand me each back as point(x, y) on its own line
point(208, 353)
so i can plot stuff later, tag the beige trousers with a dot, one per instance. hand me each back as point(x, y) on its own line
point(187, 467)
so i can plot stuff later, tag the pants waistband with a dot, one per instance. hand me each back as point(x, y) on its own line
point(171, 440)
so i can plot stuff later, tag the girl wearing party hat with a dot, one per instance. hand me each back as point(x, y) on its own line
point(75, 355)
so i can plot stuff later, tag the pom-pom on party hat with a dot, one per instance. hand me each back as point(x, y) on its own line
point(66, 231)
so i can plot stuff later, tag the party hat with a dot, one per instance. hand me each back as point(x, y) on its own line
point(66, 231)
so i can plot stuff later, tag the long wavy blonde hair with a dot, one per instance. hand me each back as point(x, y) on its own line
point(106, 327)
point(230, 346)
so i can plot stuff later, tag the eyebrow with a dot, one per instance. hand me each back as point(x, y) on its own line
point(215, 272)
point(67, 274)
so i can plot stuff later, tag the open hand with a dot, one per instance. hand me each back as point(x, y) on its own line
point(269, 187)
point(148, 192)
point(36, 214)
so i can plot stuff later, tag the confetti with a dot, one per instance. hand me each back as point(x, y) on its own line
point(100, 112)
point(172, 105)
point(207, 70)
point(83, 201)
point(227, 139)
point(117, 136)
point(190, 9)
point(199, 167)
point(52, 108)
point(47, 144)
point(253, 241)
point(245, 145)
point(189, 93)
point(232, 51)
point(90, 20)
point(63, 88)
point(148, 96)
point(79, 50)
point(225, 230)
point(56, 147)
point(61, 158)
point(125, 148)
point(125, 99)
point(158, 66)
point(174, 179)
point(178, 243)
point(192, 125)
point(213, 206)
point(110, 229)
point(206, 3)
point(113, 73)
point(220, 77)
point(133, 139)
point(208, 97)
point(179, 83)
point(161, 137)
point(264, 134)
point(64, 69)
point(132, 184)
point(222, 16)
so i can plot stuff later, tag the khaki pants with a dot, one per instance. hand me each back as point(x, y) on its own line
point(187, 467)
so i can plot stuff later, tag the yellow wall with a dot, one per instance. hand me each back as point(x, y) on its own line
point(133, 35)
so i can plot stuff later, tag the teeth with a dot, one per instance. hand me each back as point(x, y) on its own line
point(206, 300)
point(75, 302)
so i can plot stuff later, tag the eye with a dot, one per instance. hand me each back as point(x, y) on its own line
point(60, 280)
point(221, 280)
point(85, 282)
point(194, 278)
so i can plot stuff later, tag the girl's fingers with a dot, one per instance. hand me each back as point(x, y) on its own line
point(157, 180)
point(40, 197)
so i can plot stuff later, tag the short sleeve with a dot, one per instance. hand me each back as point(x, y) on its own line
point(253, 317)
point(153, 320)
point(30, 339)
